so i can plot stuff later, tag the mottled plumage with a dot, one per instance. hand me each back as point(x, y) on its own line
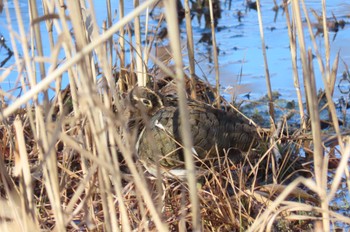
point(215, 133)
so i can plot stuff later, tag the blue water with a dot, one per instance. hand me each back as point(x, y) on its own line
point(240, 44)
point(240, 57)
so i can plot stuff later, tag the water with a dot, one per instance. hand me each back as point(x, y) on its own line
point(240, 57)
point(240, 44)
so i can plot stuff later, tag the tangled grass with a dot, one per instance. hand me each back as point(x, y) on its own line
point(70, 163)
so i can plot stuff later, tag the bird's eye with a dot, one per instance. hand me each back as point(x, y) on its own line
point(147, 102)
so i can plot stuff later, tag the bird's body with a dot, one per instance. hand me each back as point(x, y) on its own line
point(215, 133)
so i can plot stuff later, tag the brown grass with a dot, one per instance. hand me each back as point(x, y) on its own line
point(70, 163)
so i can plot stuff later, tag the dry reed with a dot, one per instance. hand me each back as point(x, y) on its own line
point(69, 163)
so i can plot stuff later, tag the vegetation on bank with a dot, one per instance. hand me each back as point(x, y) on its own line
point(70, 163)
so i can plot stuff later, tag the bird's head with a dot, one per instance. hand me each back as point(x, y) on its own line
point(145, 100)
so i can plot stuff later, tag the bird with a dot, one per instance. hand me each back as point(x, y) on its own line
point(144, 101)
point(215, 133)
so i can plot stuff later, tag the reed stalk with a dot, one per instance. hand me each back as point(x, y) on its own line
point(38, 45)
point(267, 73)
point(109, 24)
point(312, 100)
point(190, 49)
point(215, 53)
point(122, 46)
point(25, 48)
point(140, 68)
point(325, 34)
point(293, 50)
point(174, 37)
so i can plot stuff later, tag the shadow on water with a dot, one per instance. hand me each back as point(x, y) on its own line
point(9, 51)
point(239, 43)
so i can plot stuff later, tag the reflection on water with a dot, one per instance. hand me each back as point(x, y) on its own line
point(238, 41)
point(3, 44)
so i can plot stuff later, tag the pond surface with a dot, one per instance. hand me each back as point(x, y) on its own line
point(239, 43)
point(240, 54)
point(242, 45)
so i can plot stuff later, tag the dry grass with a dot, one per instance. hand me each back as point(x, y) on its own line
point(70, 163)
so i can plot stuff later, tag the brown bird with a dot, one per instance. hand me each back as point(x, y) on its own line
point(215, 133)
